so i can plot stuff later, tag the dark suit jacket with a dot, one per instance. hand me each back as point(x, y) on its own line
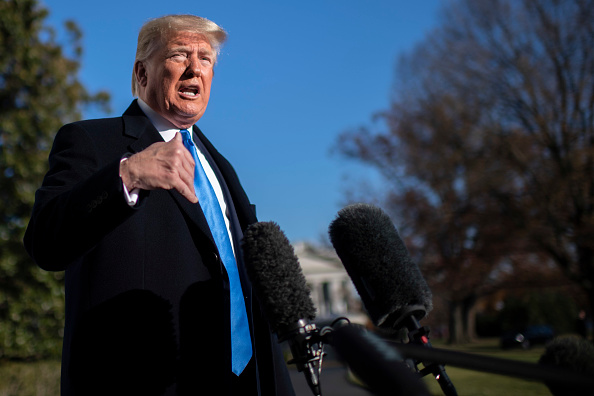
point(146, 294)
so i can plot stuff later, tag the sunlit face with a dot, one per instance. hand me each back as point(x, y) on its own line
point(176, 80)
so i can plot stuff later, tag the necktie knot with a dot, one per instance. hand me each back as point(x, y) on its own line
point(186, 137)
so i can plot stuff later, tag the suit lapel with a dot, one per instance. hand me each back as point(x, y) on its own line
point(138, 126)
point(243, 208)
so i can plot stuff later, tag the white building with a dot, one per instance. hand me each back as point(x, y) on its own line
point(332, 290)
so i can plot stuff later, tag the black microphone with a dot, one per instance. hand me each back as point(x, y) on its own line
point(280, 286)
point(574, 354)
point(380, 366)
point(390, 284)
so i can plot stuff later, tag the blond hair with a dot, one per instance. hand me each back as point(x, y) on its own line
point(156, 32)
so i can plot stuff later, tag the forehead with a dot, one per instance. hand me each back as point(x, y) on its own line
point(188, 39)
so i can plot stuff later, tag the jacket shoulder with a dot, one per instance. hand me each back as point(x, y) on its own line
point(99, 124)
point(108, 123)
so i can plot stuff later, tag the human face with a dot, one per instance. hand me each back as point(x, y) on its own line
point(176, 80)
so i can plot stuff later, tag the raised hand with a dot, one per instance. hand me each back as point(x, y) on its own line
point(161, 166)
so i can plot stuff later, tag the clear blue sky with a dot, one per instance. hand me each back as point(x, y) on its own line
point(292, 76)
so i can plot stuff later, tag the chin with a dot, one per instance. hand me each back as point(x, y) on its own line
point(186, 120)
point(187, 116)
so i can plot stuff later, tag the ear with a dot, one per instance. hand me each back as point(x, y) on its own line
point(141, 73)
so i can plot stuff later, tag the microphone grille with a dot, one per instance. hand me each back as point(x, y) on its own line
point(377, 260)
point(277, 277)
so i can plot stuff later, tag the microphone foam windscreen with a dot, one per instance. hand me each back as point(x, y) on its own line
point(276, 275)
point(572, 353)
point(377, 261)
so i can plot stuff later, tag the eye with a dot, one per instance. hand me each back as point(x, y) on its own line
point(178, 56)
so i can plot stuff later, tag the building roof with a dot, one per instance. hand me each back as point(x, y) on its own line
point(316, 261)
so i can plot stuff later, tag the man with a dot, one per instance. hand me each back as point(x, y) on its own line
point(147, 292)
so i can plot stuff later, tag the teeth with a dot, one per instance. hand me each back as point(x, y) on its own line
point(190, 93)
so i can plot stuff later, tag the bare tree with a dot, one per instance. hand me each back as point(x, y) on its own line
point(488, 144)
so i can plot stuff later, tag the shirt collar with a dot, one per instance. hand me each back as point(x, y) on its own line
point(163, 126)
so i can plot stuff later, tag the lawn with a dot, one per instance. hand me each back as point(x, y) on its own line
point(30, 379)
point(474, 383)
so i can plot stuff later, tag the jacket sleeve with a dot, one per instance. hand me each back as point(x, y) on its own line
point(81, 200)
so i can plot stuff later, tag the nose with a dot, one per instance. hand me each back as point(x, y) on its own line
point(194, 67)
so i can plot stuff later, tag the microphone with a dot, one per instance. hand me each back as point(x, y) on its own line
point(279, 283)
point(390, 284)
point(380, 366)
point(574, 354)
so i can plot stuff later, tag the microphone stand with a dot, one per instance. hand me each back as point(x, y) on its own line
point(579, 383)
point(307, 350)
point(380, 366)
point(373, 360)
point(382, 371)
point(419, 335)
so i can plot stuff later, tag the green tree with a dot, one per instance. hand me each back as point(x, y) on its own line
point(39, 92)
point(488, 144)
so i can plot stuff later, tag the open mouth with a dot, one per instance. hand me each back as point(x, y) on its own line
point(189, 91)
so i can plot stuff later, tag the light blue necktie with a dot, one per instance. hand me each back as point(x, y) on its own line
point(241, 345)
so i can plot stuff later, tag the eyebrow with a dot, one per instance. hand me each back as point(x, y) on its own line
point(185, 48)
